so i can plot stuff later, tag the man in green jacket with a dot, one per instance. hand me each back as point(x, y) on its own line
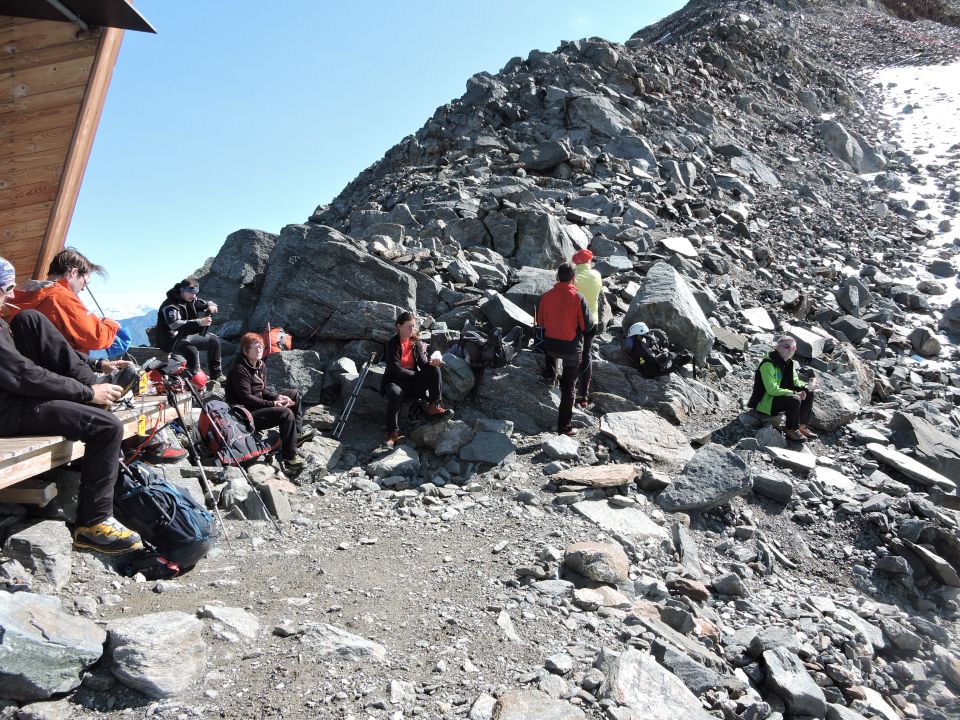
point(778, 389)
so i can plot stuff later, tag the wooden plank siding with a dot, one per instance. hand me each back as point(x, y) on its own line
point(53, 80)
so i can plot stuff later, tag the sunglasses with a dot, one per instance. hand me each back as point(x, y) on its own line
point(191, 290)
point(8, 288)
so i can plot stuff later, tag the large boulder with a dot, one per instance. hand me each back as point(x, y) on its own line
point(637, 681)
point(950, 320)
point(361, 320)
point(833, 410)
point(504, 314)
point(544, 156)
point(301, 370)
point(788, 678)
point(458, 377)
point(235, 278)
point(527, 704)
point(850, 147)
point(665, 301)
point(43, 649)
point(513, 393)
point(601, 562)
point(314, 269)
point(931, 446)
point(531, 284)
point(159, 654)
point(713, 477)
point(599, 114)
point(648, 438)
point(541, 240)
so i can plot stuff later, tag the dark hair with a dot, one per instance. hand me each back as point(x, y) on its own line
point(72, 258)
point(248, 339)
point(405, 317)
point(565, 273)
point(189, 282)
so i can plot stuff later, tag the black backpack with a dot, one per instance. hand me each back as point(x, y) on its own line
point(229, 433)
point(481, 351)
point(650, 352)
point(166, 518)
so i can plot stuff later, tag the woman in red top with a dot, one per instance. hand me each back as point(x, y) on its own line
point(410, 374)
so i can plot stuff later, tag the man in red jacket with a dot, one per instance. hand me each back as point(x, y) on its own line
point(565, 317)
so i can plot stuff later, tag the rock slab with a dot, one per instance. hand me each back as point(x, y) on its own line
point(637, 681)
point(789, 679)
point(712, 478)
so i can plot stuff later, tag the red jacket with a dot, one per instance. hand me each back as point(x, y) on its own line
point(81, 328)
point(565, 317)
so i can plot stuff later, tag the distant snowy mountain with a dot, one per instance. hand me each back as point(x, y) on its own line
point(138, 324)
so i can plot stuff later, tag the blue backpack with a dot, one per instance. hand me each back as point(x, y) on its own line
point(163, 515)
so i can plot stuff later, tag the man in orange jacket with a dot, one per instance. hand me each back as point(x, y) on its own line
point(566, 318)
point(58, 298)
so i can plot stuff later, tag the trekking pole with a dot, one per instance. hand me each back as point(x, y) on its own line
point(102, 314)
point(195, 458)
point(352, 400)
point(236, 459)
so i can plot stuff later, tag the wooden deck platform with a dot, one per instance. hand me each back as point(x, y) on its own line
point(24, 457)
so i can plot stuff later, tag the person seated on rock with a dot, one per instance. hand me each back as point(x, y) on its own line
point(183, 327)
point(566, 320)
point(590, 284)
point(410, 374)
point(247, 385)
point(777, 388)
point(650, 351)
point(58, 298)
point(47, 389)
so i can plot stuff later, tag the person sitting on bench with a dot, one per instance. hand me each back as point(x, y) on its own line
point(410, 374)
point(47, 389)
point(247, 385)
point(183, 326)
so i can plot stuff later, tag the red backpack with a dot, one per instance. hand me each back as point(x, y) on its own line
point(228, 433)
point(276, 339)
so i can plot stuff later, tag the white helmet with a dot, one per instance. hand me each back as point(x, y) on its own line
point(638, 328)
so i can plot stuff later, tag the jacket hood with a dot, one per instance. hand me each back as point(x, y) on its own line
point(174, 293)
point(34, 292)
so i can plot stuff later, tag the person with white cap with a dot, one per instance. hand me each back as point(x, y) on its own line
point(46, 388)
point(650, 350)
point(588, 281)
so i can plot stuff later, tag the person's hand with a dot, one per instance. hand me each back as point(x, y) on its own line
point(812, 383)
point(205, 321)
point(106, 394)
point(284, 401)
point(212, 307)
point(436, 362)
point(108, 366)
point(802, 394)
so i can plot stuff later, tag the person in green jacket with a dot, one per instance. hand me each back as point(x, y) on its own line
point(778, 389)
point(589, 283)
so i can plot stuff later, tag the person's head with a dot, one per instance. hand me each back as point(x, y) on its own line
point(406, 323)
point(251, 345)
point(582, 257)
point(565, 273)
point(8, 280)
point(786, 347)
point(189, 288)
point(73, 267)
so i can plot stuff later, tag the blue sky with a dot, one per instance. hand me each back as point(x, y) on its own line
point(246, 114)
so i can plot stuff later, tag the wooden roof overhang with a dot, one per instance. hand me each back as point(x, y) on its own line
point(54, 77)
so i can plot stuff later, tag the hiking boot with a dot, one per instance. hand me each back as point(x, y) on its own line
point(162, 452)
point(548, 382)
point(294, 464)
point(108, 537)
point(808, 433)
point(306, 435)
point(393, 438)
point(437, 410)
point(220, 378)
point(582, 401)
point(794, 435)
point(568, 431)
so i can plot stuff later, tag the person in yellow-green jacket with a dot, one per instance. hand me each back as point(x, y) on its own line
point(589, 283)
point(778, 389)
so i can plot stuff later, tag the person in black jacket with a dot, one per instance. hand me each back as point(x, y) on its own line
point(247, 385)
point(410, 374)
point(46, 388)
point(183, 327)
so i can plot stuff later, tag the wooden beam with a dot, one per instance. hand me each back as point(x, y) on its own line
point(21, 253)
point(51, 55)
point(20, 39)
point(56, 138)
point(28, 195)
point(43, 79)
point(41, 101)
point(25, 212)
point(15, 232)
point(13, 177)
point(80, 148)
point(34, 491)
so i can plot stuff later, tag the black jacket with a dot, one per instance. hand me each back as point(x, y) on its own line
point(22, 380)
point(397, 374)
point(247, 386)
point(178, 318)
point(788, 374)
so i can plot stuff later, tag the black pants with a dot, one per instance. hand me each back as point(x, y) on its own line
point(289, 420)
point(190, 347)
point(100, 431)
point(427, 382)
point(568, 381)
point(585, 373)
point(796, 410)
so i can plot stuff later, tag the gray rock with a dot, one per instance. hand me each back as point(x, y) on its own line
point(561, 447)
point(841, 712)
point(713, 477)
point(544, 156)
point(488, 447)
point(532, 410)
point(787, 677)
point(503, 232)
point(833, 410)
point(43, 649)
point(771, 637)
point(802, 461)
point(854, 296)
point(850, 147)
point(631, 523)
point(729, 584)
point(458, 377)
point(237, 619)
point(140, 656)
point(853, 328)
point(404, 460)
point(359, 320)
point(697, 677)
point(636, 680)
point(916, 471)
point(648, 437)
point(45, 549)
point(462, 272)
point(925, 342)
point(541, 239)
point(301, 370)
point(532, 283)
point(329, 641)
point(322, 452)
point(602, 562)
point(504, 314)
point(524, 704)
point(53, 710)
point(665, 301)
point(950, 320)
point(931, 445)
point(598, 114)
point(483, 707)
point(809, 344)
point(454, 436)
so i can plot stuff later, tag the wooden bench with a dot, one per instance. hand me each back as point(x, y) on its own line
point(22, 458)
